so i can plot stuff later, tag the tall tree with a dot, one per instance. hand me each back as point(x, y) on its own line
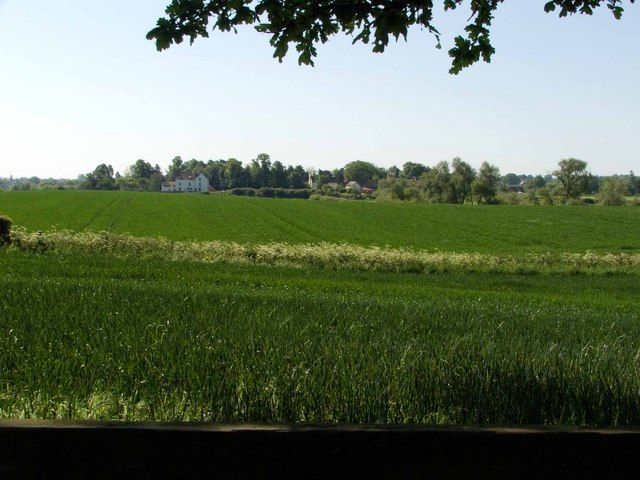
point(101, 178)
point(535, 182)
point(634, 184)
point(297, 177)
point(323, 177)
point(613, 192)
point(511, 180)
point(176, 169)
point(437, 185)
point(142, 169)
point(253, 172)
point(413, 171)
point(461, 180)
point(234, 174)
point(392, 188)
point(193, 167)
point(305, 23)
point(364, 173)
point(486, 183)
point(155, 182)
point(393, 172)
point(278, 175)
point(264, 170)
point(573, 176)
point(214, 171)
point(337, 175)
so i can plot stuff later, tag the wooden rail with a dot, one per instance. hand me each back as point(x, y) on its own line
point(114, 450)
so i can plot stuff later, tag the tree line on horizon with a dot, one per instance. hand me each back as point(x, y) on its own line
point(446, 182)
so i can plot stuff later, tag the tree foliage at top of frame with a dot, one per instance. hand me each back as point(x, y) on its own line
point(305, 23)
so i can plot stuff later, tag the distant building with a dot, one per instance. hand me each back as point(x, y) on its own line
point(188, 184)
point(353, 187)
point(519, 188)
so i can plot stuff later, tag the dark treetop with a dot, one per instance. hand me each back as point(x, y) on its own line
point(304, 23)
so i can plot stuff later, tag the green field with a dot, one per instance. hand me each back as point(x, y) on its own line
point(458, 228)
point(532, 330)
point(102, 337)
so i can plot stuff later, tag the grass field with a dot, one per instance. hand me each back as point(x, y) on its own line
point(456, 228)
point(101, 337)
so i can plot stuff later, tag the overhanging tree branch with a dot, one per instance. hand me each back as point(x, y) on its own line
point(305, 23)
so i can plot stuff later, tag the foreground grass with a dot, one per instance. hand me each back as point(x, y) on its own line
point(97, 336)
point(496, 230)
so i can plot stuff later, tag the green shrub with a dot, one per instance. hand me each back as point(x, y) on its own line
point(301, 193)
point(269, 192)
point(545, 196)
point(613, 192)
point(532, 198)
point(5, 230)
point(509, 198)
point(265, 192)
point(243, 192)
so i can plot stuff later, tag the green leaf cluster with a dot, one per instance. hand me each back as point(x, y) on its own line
point(305, 23)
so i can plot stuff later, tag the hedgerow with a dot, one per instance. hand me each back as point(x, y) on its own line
point(320, 255)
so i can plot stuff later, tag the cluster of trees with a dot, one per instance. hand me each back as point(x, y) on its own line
point(458, 182)
point(31, 183)
point(445, 182)
point(615, 189)
point(261, 172)
point(269, 192)
point(572, 180)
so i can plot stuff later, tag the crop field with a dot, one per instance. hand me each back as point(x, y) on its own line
point(98, 336)
point(453, 228)
point(132, 306)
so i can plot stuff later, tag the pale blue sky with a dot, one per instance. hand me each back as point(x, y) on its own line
point(80, 85)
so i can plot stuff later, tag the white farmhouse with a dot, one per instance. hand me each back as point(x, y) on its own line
point(187, 184)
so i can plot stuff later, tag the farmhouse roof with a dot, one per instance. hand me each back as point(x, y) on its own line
point(189, 177)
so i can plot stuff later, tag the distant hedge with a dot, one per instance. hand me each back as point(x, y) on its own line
point(245, 192)
point(271, 192)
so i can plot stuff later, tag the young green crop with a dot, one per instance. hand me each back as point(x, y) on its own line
point(519, 325)
point(500, 230)
point(172, 341)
